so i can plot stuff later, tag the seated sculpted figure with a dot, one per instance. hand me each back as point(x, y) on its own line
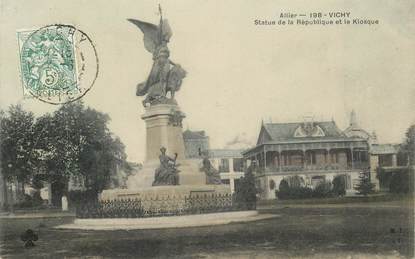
point(166, 173)
point(212, 175)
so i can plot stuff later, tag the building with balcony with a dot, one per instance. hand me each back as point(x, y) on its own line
point(315, 151)
point(388, 157)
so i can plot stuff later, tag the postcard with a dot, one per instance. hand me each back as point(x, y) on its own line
point(207, 129)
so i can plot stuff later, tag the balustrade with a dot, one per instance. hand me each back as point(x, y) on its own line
point(321, 167)
point(162, 206)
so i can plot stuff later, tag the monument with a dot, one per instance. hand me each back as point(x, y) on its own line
point(166, 173)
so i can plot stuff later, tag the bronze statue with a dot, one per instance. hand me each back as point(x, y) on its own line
point(212, 175)
point(165, 76)
point(166, 173)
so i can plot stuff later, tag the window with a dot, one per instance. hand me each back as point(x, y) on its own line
point(271, 184)
point(360, 156)
point(385, 160)
point(224, 165)
point(364, 156)
point(225, 181)
point(238, 165)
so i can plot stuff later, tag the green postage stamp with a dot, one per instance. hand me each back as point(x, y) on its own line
point(54, 63)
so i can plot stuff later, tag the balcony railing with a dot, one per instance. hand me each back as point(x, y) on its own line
point(326, 167)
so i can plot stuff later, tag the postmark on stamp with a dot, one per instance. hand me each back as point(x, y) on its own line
point(58, 63)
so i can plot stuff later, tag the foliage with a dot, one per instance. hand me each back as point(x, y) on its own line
point(77, 197)
point(339, 185)
point(323, 190)
point(17, 142)
point(384, 177)
point(285, 191)
point(397, 181)
point(246, 191)
point(409, 144)
point(84, 146)
point(30, 201)
point(400, 181)
point(295, 181)
point(72, 141)
point(365, 187)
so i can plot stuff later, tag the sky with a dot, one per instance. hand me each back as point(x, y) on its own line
point(238, 73)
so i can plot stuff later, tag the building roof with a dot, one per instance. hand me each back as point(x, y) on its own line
point(353, 131)
point(286, 131)
point(188, 134)
point(382, 149)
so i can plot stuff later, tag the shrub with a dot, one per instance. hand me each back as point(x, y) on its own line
point(283, 191)
point(399, 182)
point(323, 190)
point(30, 202)
point(295, 181)
point(301, 193)
point(295, 192)
point(246, 192)
point(339, 185)
point(365, 187)
point(384, 177)
point(77, 197)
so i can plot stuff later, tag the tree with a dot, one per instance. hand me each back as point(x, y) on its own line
point(283, 190)
point(79, 144)
point(17, 145)
point(72, 142)
point(400, 181)
point(323, 190)
point(247, 191)
point(339, 185)
point(409, 144)
point(365, 187)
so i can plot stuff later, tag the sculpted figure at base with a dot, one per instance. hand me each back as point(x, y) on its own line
point(166, 173)
point(212, 175)
point(165, 76)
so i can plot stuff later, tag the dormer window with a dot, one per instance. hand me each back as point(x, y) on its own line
point(309, 129)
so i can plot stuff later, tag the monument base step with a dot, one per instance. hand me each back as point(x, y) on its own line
point(210, 219)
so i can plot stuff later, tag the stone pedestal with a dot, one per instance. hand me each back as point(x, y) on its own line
point(164, 129)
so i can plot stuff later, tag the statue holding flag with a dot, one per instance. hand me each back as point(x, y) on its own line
point(165, 76)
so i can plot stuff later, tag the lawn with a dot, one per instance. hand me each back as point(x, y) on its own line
point(373, 198)
point(385, 229)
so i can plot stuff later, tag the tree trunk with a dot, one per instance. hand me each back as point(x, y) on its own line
point(5, 193)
